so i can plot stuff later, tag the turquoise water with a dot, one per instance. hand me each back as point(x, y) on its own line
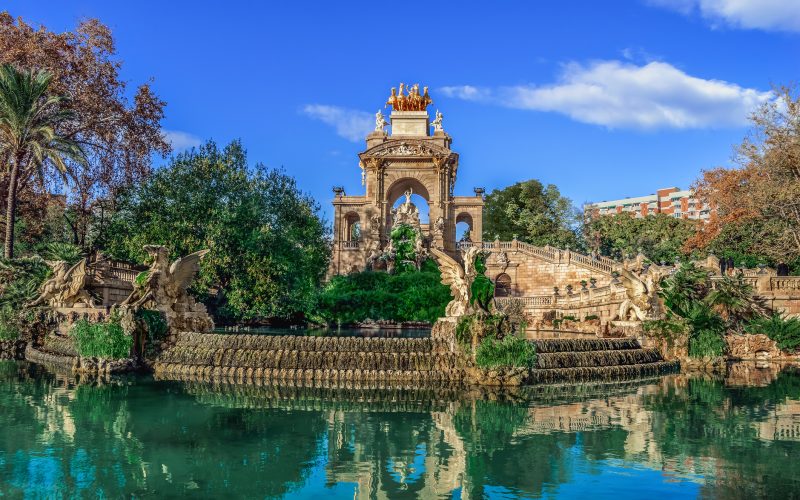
point(673, 437)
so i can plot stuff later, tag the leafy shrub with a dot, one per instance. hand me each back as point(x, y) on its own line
point(591, 317)
point(9, 325)
point(784, 331)
point(156, 324)
point(511, 351)
point(20, 280)
point(102, 340)
point(408, 296)
point(67, 252)
point(706, 332)
point(569, 318)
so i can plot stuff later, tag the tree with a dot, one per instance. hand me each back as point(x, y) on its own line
point(267, 240)
point(30, 135)
point(532, 212)
point(762, 196)
point(659, 237)
point(119, 136)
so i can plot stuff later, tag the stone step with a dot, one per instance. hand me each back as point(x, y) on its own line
point(305, 343)
point(622, 372)
point(298, 359)
point(583, 345)
point(597, 358)
point(240, 374)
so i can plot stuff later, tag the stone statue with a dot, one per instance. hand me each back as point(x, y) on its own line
point(66, 288)
point(380, 122)
point(438, 227)
point(640, 291)
point(373, 254)
point(459, 278)
point(406, 213)
point(164, 289)
point(437, 122)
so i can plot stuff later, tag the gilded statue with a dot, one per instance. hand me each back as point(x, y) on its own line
point(409, 98)
point(67, 287)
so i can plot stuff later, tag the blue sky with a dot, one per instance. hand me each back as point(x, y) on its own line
point(603, 99)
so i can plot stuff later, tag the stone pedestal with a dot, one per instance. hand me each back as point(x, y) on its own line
point(410, 123)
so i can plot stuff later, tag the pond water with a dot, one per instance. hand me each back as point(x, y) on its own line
point(676, 436)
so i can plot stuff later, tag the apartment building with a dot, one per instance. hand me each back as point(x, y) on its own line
point(671, 201)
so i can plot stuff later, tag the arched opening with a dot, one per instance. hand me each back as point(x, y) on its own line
point(502, 286)
point(419, 197)
point(464, 227)
point(352, 227)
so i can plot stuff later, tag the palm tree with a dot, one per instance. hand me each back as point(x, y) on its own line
point(30, 140)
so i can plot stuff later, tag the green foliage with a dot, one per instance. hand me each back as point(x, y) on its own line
point(20, 280)
point(569, 318)
point(408, 296)
point(510, 351)
point(482, 288)
point(735, 300)
point(67, 252)
point(9, 324)
point(404, 238)
point(102, 340)
point(268, 242)
point(591, 317)
point(659, 237)
point(532, 212)
point(784, 331)
point(689, 311)
point(157, 326)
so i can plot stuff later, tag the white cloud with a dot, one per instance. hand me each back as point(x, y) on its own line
point(466, 92)
point(779, 15)
point(181, 140)
point(622, 95)
point(351, 124)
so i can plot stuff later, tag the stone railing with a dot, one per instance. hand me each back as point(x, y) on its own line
point(351, 245)
point(550, 254)
point(528, 302)
point(579, 298)
point(788, 283)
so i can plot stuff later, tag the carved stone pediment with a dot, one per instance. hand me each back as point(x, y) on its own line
point(406, 148)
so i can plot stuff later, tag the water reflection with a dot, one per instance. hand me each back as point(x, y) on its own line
point(737, 436)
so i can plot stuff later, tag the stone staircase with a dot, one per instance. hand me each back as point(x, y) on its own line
point(413, 361)
point(297, 357)
point(562, 360)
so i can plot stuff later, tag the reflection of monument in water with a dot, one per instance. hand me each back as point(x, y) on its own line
point(408, 160)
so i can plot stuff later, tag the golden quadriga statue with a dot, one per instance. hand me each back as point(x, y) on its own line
point(409, 98)
point(165, 289)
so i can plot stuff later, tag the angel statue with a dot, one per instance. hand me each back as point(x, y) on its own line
point(66, 288)
point(463, 280)
point(380, 122)
point(640, 295)
point(437, 122)
point(165, 284)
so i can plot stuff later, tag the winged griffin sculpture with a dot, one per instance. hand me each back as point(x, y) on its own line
point(165, 284)
point(66, 288)
point(461, 279)
point(640, 292)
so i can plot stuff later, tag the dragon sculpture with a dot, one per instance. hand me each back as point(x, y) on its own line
point(464, 281)
point(66, 288)
point(164, 288)
point(640, 292)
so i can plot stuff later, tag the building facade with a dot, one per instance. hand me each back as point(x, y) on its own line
point(672, 201)
point(409, 159)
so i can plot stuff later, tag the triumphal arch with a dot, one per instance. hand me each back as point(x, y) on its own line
point(409, 159)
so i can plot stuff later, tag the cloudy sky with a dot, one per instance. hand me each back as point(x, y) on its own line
point(603, 99)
